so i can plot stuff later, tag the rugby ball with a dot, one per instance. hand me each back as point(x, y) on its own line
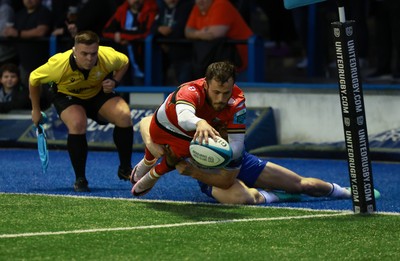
point(217, 153)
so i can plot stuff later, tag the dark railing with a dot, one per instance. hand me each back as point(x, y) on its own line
point(253, 76)
point(255, 71)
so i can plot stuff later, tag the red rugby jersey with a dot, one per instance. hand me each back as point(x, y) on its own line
point(233, 116)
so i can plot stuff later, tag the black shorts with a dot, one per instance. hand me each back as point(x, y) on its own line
point(92, 106)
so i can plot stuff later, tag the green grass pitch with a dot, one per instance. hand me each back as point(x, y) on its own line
point(43, 227)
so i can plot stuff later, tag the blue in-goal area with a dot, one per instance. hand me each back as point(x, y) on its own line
point(21, 173)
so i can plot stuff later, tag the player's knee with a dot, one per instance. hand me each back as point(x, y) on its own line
point(124, 119)
point(308, 186)
point(78, 126)
point(123, 112)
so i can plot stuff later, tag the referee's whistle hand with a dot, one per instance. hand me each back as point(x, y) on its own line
point(108, 85)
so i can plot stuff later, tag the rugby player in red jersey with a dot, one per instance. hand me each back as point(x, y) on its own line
point(194, 111)
point(256, 182)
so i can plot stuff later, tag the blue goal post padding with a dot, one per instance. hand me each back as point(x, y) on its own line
point(290, 4)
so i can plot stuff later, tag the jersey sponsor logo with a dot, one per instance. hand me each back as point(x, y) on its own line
point(72, 79)
point(78, 91)
point(240, 117)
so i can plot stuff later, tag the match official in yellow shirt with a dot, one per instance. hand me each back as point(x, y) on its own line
point(85, 78)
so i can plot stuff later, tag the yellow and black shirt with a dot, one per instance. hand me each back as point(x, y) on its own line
point(62, 70)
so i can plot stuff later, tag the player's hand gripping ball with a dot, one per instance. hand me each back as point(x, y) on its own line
point(215, 154)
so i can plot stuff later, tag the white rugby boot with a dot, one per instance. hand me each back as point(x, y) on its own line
point(145, 184)
point(141, 169)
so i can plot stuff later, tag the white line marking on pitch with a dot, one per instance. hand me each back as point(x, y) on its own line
point(173, 202)
point(167, 225)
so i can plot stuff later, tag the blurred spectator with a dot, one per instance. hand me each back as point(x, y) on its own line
point(133, 20)
point(93, 15)
point(17, 5)
point(357, 10)
point(13, 96)
point(70, 17)
point(245, 8)
point(8, 53)
point(300, 18)
point(66, 14)
point(387, 40)
point(281, 26)
point(31, 22)
point(63, 12)
point(325, 14)
point(170, 24)
point(214, 21)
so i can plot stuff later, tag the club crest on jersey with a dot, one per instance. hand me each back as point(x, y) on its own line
point(240, 117)
point(72, 79)
point(231, 101)
point(192, 88)
point(99, 75)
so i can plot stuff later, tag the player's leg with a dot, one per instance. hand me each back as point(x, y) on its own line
point(147, 182)
point(251, 169)
point(177, 146)
point(276, 177)
point(116, 111)
point(144, 166)
point(238, 193)
point(146, 174)
point(152, 135)
point(152, 151)
point(74, 117)
point(242, 191)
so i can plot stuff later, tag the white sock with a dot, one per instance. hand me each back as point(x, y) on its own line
point(153, 174)
point(339, 192)
point(142, 168)
point(150, 163)
point(268, 196)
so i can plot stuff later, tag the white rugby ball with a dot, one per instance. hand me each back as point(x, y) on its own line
point(215, 154)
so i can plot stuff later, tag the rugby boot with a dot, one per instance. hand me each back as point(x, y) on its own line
point(377, 194)
point(140, 170)
point(124, 173)
point(81, 185)
point(145, 184)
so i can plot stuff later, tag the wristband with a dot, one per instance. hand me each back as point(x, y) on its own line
point(115, 81)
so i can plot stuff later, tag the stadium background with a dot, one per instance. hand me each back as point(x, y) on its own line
point(294, 120)
point(293, 114)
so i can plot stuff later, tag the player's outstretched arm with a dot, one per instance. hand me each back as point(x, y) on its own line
point(188, 120)
point(221, 178)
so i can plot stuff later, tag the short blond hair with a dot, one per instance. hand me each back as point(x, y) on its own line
point(87, 38)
